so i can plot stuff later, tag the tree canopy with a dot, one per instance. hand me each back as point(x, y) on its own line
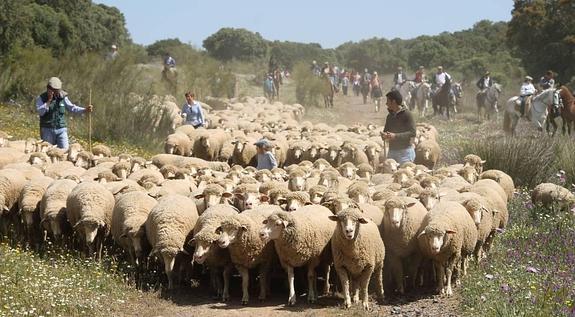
point(241, 44)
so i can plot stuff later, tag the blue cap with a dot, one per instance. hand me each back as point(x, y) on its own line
point(263, 143)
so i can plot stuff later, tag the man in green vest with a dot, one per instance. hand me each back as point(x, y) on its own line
point(51, 107)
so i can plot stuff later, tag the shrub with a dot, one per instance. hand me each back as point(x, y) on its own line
point(308, 87)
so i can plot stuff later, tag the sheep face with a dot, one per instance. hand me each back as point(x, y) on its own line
point(169, 148)
point(201, 251)
point(348, 172)
point(316, 197)
point(475, 210)
point(359, 198)
point(205, 142)
point(228, 233)
point(239, 146)
point(136, 238)
point(435, 240)
point(296, 183)
point(293, 204)
point(469, 174)
point(390, 166)
point(313, 152)
point(400, 178)
point(333, 152)
point(428, 199)
point(249, 200)
point(263, 177)
point(273, 227)
point(348, 224)
point(297, 153)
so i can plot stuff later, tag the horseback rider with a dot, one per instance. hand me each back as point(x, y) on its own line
point(376, 91)
point(527, 90)
point(399, 78)
point(315, 68)
point(483, 83)
point(169, 61)
point(547, 81)
point(420, 78)
point(439, 79)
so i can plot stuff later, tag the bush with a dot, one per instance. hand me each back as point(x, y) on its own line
point(308, 87)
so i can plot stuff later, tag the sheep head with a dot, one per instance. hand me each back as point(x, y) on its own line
point(349, 222)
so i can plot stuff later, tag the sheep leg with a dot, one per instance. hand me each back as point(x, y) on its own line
point(226, 291)
point(379, 281)
point(326, 288)
point(292, 296)
point(449, 272)
point(397, 269)
point(355, 290)
point(245, 284)
point(312, 280)
point(263, 270)
point(413, 267)
point(440, 276)
point(363, 284)
point(343, 277)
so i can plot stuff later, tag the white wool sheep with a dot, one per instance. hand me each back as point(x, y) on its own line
point(128, 223)
point(402, 220)
point(101, 150)
point(178, 143)
point(89, 210)
point(11, 184)
point(504, 180)
point(548, 194)
point(244, 152)
point(63, 169)
point(358, 251)
point(10, 155)
point(168, 226)
point(29, 204)
point(53, 207)
point(240, 234)
point(207, 252)
point(448, 237)
point(427, 153)
point(475, 162)
point(209, 144)
point(301, 237)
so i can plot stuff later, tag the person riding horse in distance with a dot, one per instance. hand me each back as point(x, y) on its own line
point(527, 90)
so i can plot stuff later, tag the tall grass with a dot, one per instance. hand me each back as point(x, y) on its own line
point(529, 161)
point(308, 87)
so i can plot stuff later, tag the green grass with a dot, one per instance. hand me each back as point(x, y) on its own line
point(62, 284)
point(530, 271)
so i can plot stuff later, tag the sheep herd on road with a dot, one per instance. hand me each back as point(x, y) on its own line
point(335, 207)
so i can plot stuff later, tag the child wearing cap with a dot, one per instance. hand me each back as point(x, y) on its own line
point(266, 159)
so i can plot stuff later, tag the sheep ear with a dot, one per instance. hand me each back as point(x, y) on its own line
point(264, 198)
point(244, 228)
point(450, 231)
point(410, 205)
point(239, 196)
point(265, 222)
point(227, 195)
point(282, 201)
point(219, 230)
point(333, 218)
point(483, 161)
point(123, 236)
point(421, 234)
point(362, 220)
point(307, 203)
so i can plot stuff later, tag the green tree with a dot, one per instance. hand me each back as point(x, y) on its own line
point(542, 34)
point(229, 43)
point(161, 47)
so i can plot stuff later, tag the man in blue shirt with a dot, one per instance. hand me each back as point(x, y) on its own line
point(266, 159)
point(192, 111)
point(169, 61)
point(51, 107)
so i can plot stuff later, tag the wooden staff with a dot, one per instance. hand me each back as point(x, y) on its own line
point(90, 122)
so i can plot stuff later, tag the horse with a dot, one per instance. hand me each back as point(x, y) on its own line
point(421, 97)
point(277, 80)
point(170, 76)
point(487, 100)
point(537, 111)
point(327, 91)
point(365, 89)
point(441, 100)
point(405, 90)
point(566, 112)
point(455, 96)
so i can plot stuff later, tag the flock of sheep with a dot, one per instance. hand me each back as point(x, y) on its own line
point(335, 202)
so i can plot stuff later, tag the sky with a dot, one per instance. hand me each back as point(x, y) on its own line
point(329, 23)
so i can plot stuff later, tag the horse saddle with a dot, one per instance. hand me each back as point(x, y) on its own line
point(527, 103)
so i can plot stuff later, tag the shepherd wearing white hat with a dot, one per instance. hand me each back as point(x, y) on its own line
point(527, 90)
point(51, 107)
point(113, 53)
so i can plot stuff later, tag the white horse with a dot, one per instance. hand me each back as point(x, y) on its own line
point(537, 111)
point(488, 101)
point(405, 90)
point(422, 98)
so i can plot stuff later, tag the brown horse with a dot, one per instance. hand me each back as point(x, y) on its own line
point(568, 109)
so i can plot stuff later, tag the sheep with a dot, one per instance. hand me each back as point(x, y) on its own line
point(475, 162)
point(168, 226)
point(295, 152)
point(427, 153)
point(212, 194)
point(494, 194)
point(352, 153)
point(56, 154)
point(489, 183)
point(168, 171)
point(53, 208)
point(122, 187)
point(12, 182)
point(244, 153)
point(365, 171)
point(29, 205)
point(247, 196)
point(10, 155)
point(382, 195)
point(297, 179)
point(38, 159)
point(128, 223)
point(448, 236)
point(347, 170)
point(240, 235)
point(548, 194)
point(209, 145)
point(178, 143)
point(295, 200)
point(121, 169)
point(277, 195)
point(402, 221)
point(101, 150)
point(301, 237)
point(84, 160)
point(469, 173)
point(504, 180)
point(89, 209)
point(359, 192)
point(170, 186)
point(206, 250)
point(402, 176)
point(147, 175)
point(316, 193)
point(263, 176)
point(358, 251)
point(266, 187)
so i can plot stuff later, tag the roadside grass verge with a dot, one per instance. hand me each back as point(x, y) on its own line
point(531, 269)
